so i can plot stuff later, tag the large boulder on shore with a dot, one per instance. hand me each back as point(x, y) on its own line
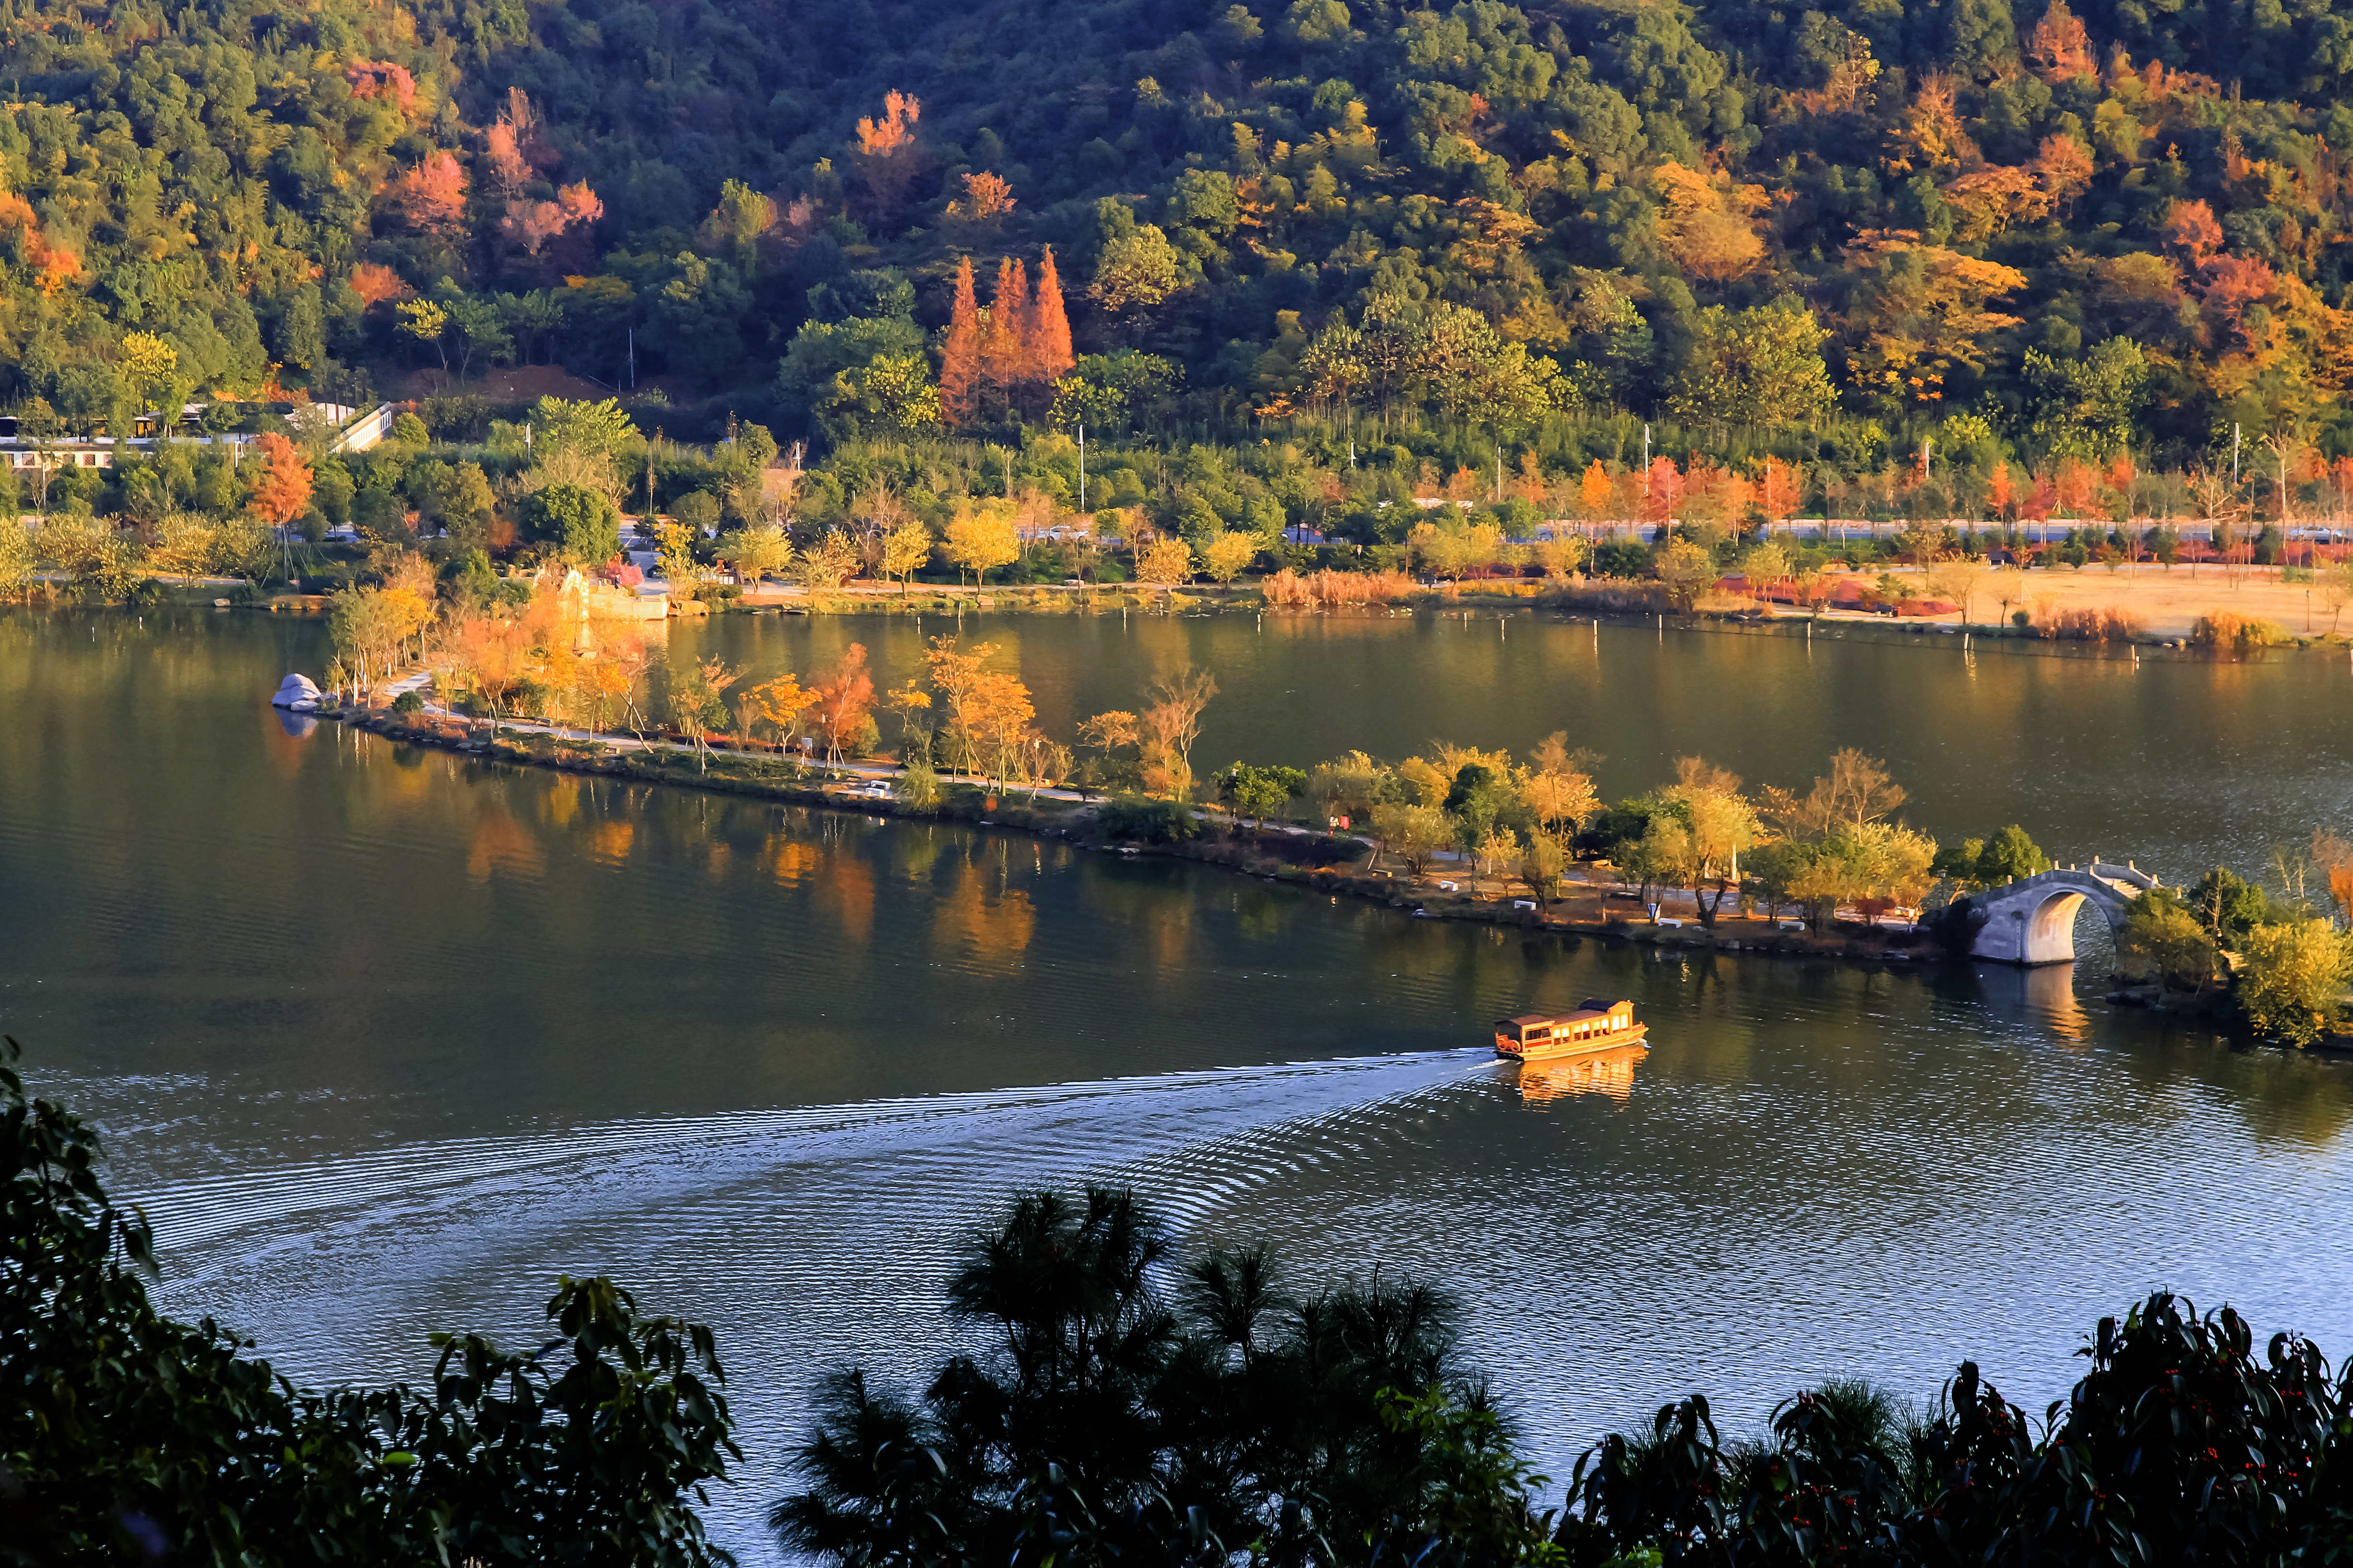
point(296, 691)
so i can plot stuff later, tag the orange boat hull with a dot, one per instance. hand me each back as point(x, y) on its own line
point(1557, 1050)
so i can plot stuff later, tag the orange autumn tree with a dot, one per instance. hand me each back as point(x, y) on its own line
point(960, 354)
point(1003, 362)
point(985, 198)
point(2061, 50)
point(986, 713)
point(1777, 489)
point(375, 283)
point(2062, 169)
point(887, 153)
point(282, 492)
point(844, 703)
point(53, 266)
point(1593, 492)
point(1049, 332)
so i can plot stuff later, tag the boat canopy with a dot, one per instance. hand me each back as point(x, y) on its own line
point(1594, 1008)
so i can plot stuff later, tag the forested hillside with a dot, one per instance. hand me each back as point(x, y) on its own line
point(2051, 231)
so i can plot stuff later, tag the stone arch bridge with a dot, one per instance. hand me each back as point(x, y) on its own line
point(2032, 919)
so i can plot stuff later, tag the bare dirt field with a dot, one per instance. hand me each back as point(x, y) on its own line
point(2165, 601)
point(509, 383)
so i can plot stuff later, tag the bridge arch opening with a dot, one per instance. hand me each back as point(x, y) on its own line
point(2050, 933)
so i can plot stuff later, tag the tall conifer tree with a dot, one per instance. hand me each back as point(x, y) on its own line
point(1002, 367)
point(1050, 329)
point(960, 354)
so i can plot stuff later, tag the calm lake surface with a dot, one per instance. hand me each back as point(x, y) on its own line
point(385, 1040)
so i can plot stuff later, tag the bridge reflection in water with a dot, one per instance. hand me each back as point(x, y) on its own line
point(2041, 997)
point(1609, 1072)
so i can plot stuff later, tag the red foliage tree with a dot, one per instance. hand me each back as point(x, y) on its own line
point(431, 197)
point(375, 283)
point(2061, 50)
point(2041, 500)
point(2191, 230)
point(533, 224)
point(373, 79)
point(844, 698)
point(960, 354)
point(508, 170)
point(1666, 488)
point(283, 491)
point(2235, 282)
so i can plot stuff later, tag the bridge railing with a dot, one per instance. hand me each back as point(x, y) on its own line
point(367, 430)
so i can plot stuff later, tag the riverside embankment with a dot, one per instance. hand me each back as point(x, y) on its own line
point(1590, 904)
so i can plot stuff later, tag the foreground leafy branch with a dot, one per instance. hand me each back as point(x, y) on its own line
point(127, 1436)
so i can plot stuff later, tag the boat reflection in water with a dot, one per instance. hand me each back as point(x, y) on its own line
point(1609, 1072)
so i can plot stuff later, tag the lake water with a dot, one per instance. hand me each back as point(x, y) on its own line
point(385, 1039)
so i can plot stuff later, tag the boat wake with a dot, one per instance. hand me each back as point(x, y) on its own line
point(1097, 1126)
point(341, 1267)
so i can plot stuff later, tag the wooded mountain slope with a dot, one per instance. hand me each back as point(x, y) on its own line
point(2061, 232)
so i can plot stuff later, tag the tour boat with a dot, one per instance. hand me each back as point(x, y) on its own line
point(1541, 1037)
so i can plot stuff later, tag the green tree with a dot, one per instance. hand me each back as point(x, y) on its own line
point(1086, 1409)
point(2007, 856)
point(583, 525)
point(690, 695)
point(2087, 405)
point(1760, 367)
point(1135, 271)
point(460, 501)
point(1224, 557)
point(1478, 799)
point(1414, 832)
point(601, 428)
point(1685, 570)
point(2293, 975)
point(2162, 940)
point(755, 553)
point(478, 325)
point(2228, 905)
point(891, 394)
point(1258, 792)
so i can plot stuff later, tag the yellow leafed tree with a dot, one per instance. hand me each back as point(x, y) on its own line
point(1708, 224)
point(982, 538)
